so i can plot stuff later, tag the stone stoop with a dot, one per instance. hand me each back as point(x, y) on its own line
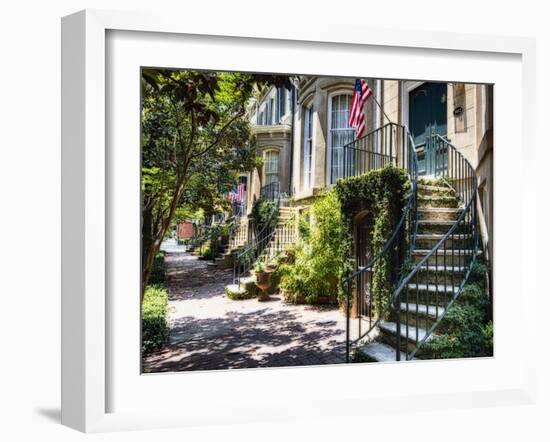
point(424, 298)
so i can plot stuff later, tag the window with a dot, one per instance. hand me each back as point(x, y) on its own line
point(281, 103)
point(308, 145)
point(269, 111)
point(261, 116)
point(243, 179)
point(340, 134)
point(271, 167)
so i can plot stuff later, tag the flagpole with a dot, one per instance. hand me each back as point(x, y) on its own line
point(380, 107)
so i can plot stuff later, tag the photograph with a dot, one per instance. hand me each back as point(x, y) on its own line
point(299, 220)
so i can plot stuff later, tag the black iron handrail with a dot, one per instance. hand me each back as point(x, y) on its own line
point(374, 150)
point(271, 191)
point(460, 175)
point(245, 258)
point(400, 152)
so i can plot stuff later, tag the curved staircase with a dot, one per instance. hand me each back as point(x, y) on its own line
point(279, 232)
point(443, 246)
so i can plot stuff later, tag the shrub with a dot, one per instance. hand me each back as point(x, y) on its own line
point(246, 290)
point(157, 276)
point(154, 329)
point(465, 331)
point(382, 193)
point(262, 212)
point(316, 266)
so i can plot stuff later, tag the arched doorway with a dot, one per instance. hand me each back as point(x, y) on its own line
point(363, 256)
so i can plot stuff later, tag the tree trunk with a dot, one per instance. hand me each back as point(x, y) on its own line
point(147, 241)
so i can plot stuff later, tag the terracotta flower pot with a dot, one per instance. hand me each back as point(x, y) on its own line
point(262, 282)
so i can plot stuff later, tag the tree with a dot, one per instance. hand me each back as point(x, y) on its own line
point(195, 137)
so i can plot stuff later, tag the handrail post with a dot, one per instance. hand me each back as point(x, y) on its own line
point(398, 328)
point(348, 312)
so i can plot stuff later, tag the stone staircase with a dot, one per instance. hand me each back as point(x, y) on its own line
point(424, 298)
point(285, 232)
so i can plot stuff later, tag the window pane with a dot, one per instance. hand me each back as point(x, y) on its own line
point(340, 134)
point(308, 135)
point(272, 162)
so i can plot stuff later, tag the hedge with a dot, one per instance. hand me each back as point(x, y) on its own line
point(154, 326)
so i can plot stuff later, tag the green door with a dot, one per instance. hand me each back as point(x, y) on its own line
point(428, 117)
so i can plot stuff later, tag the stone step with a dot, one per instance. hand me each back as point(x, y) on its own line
point(441, 226)
point(429, 240)
point(433, 288)
point(457, 257)
point(446, 201)
point(443, 269)
point(427, 190)
point(423, 309)
point(287, 212)
point(389, 330)
point(453, 276)
point(379, 352)
point(433, 182)
point(438, 213)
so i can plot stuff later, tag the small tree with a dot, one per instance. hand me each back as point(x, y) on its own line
point(195, 137)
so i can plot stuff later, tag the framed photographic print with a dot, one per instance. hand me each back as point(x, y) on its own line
point(277, 218)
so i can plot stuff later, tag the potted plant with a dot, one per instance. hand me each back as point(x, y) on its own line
point(271, 265)
point(262, 280)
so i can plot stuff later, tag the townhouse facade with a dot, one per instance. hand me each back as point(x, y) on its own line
point(301, 133)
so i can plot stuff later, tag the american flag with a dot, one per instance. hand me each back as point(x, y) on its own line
point(237, 196)
point(356, 114)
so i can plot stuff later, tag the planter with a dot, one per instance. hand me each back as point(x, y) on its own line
point(262, 282)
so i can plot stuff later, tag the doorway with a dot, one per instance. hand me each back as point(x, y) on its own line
point(428, 119)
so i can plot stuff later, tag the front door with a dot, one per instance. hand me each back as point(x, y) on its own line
point(427, 118)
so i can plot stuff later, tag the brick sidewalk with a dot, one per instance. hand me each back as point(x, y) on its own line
point(208, 331)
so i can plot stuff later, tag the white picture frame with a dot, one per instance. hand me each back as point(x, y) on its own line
point(86, 315)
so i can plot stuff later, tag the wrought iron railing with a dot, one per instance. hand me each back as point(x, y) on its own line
point(201, 234)
point(271, 191)
point(375, 150)
point(391, 144)
point(244, 259)
point(239, 233)
point(425, 294)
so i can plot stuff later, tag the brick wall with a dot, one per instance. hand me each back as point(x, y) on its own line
point(185, 230)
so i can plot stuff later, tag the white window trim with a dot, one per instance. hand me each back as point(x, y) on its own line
point(328, 156)
point(264, 155)
point(308, 185)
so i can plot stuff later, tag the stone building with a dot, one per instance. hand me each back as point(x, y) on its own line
point(271, 120)
point(301, 133)
point(460, 112)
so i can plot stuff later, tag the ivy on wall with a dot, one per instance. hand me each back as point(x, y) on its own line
point(324, 254)
point(382, 193)
point(263, 214)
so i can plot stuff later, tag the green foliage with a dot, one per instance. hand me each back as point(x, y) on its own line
point(264, 215)
point(259, 266)
point(246, 290)
point(186, 212)
point(195, 138)
point(382, 194)
point(465, 330)
point(158, 270)
point(246, 255)
point(154, 329)
point(316, 267)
